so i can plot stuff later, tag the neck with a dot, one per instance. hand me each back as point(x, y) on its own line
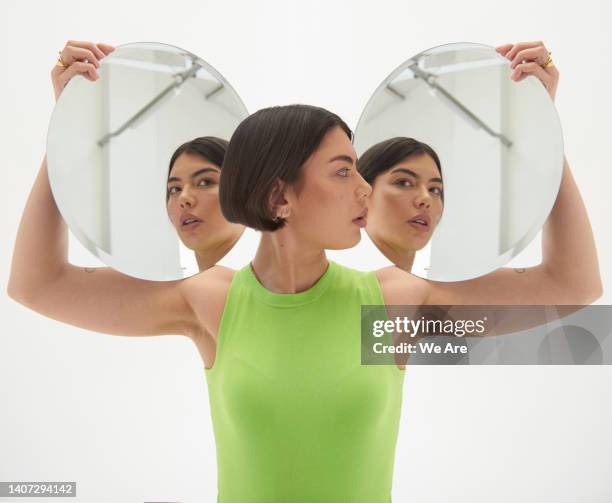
point(284, 265)
point(400, 257)
point(209, 257)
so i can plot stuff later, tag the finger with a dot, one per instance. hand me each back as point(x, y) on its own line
point(70, 54)
point(87, 70)
point(538, 55)
point(520, 46)
point(524, 69)
point(503, 49)
point(87, 45)
point(105, 48)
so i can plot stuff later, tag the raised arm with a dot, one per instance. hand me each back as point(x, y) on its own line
point(569, 271)
point(102, 300)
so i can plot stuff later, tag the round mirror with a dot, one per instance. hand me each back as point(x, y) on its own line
point(465, 163)
point(134, 161)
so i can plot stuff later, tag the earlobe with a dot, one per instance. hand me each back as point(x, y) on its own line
point(282, 213)
point(277, 203)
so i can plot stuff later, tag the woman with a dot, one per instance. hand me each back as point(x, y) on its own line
point(407, 188)
point(296, 416)
point(192, 200)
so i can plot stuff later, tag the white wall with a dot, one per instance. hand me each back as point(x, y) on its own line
point(128, 418)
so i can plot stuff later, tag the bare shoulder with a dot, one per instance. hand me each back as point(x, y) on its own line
point(206, 293)
point(400, 287)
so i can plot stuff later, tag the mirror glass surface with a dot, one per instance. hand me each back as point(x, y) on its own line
point(500, 150)
point(109, 147)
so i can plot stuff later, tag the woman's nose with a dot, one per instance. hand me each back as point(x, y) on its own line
point(422, 199)
point(364, 189)
point(187, 199)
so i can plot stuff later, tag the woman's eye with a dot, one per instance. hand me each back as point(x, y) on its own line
point(205, 182)
point(172, 190)
point(344, 171)
point(404, 183)
point(436, 190)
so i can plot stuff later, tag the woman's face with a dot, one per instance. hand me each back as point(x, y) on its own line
point(406, 204)
point(328, 203)
point(193, 204)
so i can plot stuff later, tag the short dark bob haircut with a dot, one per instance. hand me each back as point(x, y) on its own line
point(269, 145)
point(386, 154)
point(208, 147)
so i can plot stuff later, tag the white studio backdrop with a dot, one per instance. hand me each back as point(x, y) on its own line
point(128, 417)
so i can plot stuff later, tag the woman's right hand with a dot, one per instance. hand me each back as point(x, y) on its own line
point(78, 58)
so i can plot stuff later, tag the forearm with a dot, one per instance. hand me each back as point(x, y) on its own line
point(41, 246)
point(569, 254)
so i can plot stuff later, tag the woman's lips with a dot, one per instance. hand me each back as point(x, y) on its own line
point(191, 225)
point(419, 227)
point(420, 222)
point(361, 220)
point(189, 221)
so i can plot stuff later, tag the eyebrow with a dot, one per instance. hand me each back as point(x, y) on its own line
point(194, 174)
point(412, 173)
point(343, 157)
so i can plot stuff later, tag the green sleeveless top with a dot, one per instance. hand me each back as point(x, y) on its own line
point(296, 417)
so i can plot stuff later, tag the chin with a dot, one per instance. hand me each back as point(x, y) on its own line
point(188, 244)
point(418, 245)
point(345, 244)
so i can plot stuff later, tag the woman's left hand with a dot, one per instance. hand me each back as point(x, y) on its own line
point(531, 58)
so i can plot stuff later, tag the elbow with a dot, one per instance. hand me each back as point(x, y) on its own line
point(594, 293)
point(576, 290)
point(23, 292)
point(30, 290)
point(19, 293)
point(592, 289)
point(586, 293)
point(13, 291)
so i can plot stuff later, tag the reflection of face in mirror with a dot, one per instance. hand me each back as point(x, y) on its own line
point(192, 200)
point(407, 197)
point(118, 161)
point(495, 138)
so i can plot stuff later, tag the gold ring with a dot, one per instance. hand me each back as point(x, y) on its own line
point(549, 61)
point(60, 61)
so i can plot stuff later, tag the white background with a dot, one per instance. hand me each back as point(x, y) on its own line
point(128, 417)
